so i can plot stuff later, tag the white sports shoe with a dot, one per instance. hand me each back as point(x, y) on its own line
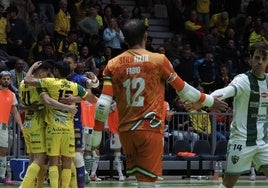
point(87, 179)
point(121, 178)
point(252, 177)
point(94, 178)
point(159, 178)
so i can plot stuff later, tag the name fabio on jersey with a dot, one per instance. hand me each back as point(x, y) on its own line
point(133, 70)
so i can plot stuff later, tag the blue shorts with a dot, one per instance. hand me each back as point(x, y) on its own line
point(78, 132)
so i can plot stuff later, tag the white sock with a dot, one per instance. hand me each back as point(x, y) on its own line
point(3, 166)
point(95, 166)
point(221, 186)
point(252, 170)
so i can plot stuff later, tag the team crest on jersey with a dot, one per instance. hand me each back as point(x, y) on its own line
point(65, 84)
point(235, 159)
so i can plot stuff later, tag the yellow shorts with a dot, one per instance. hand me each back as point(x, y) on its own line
point(34, 138)
point(60, 141)
point(34, 133)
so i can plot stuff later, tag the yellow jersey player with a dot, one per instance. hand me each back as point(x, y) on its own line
point(60, 126)
point(32, 104)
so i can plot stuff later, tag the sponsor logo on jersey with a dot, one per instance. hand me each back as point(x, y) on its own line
point(264, 95)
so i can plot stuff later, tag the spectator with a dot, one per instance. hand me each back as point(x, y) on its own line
point(174, 48)
point(107, 16)
point(177, 12)
point(183, 128)
point(3, 29)
point(81, 9)
point(258, 35)
point(62, 23)
point(113, 37)
point(87, 59)
point(96, 44)
point(38, 47)
point(161, 49)
point(34, 27)
point(25, 7)
point(210, 40)
point(223, 122)
point(116, 9)
point(123, 17)
point(103, 60)
point(201, 123)
point(69, 44)
point(249, 28)
point(17, 34)
point(205, 70)
point(223, 79)
point(173, 51)
point(230, 34)
point(18, 74)
point(220, 21)
point(194, 31)
point(89, 25)
point(46, 9)
point(185, 68)
point(48, 52)
point(137, 14)
point(239, 26)
point(230, 56)
point(47, 27)
point(202, 9)
point(99, 17)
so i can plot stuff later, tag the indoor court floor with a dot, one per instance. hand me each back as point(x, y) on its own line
point(175, 181)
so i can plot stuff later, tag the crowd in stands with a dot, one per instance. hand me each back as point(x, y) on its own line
point(208, 49)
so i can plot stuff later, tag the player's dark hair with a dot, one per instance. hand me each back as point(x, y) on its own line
point(63, 68)
point(71, 55)
point(134, 30)
point(260, 46)
point(46, 65)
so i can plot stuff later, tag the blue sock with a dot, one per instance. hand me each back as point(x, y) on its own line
point(80, 177)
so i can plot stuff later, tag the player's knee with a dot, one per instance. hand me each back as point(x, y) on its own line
point(78, 160)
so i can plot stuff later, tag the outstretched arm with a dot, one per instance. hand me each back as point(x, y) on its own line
point(29, 78)
point(188, 93)
point(224, 93)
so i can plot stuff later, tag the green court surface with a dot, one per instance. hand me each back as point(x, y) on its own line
point(174, 181)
